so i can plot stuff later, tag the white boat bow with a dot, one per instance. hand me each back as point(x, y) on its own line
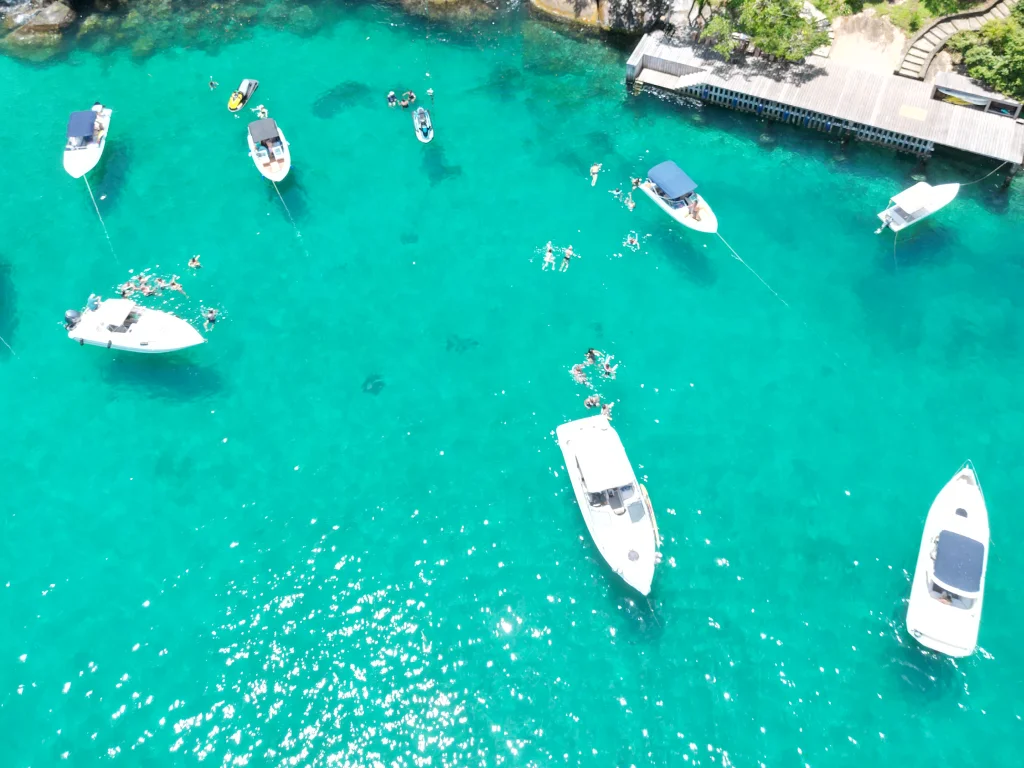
point(86, 140)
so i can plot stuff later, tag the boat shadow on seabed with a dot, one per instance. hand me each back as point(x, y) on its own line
point(8, 309)
point(172, 377)
point(108, 180)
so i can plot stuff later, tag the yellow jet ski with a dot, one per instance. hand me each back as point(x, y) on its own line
point(242, 95)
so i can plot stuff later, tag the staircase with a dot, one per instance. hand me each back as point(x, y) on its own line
point(932, 39)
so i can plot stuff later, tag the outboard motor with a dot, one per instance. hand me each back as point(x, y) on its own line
point(71, 318)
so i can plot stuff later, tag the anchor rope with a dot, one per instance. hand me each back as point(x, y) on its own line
point(985, 176)
point(8, 346)
point(741, 261)
point(102, 223)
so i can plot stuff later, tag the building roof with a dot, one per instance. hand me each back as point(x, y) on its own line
point(671, 179)
point(263, 130)
point(602, 461)
point(959, 562)
point(80, 124)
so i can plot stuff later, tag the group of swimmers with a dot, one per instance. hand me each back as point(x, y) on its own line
point(579, 374)
point(142, 283)
point(628, 199)
point(549, 258)
point(407, 99)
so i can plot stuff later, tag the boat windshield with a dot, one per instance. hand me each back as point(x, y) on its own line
point(948, 597)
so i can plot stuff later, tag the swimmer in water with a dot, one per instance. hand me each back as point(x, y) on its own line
point(593, 401)
point(209, 318)
point(606, 410)
point(549, 258)
point(616, 193)
point(594, 170)
point(412, 96)
point(607, 369)
point(392, 99)
point(126, 289)
point(174, 285)
point(147, 289)
point(193, 263)
point(578, 374)
point(430, 93)
point(213, 83)
point(632, 242)
point(566, 258)
point(630, 204)
point(636, 182)
point(593, 356)
point(160, 283)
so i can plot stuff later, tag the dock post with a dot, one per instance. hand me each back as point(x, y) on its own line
point(1014, 169)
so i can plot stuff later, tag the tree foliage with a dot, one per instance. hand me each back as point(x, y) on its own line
point(994, 54)
point(777, 27)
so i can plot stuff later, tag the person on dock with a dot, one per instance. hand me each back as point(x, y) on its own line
point(549, 258)
point(213, 83)
point(174, 285)
point(566, 258)
point(209, 318)
point(594, 170)
point(193, 263)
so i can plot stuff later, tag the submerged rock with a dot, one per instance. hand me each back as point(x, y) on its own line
point(609, 15)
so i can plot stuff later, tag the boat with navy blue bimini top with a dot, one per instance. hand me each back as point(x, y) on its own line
point(86, 139)
point(948, 589)
point(268, 148)
point(675, 193)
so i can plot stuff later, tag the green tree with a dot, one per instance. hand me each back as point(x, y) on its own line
point(777, 27)
point(994, 54)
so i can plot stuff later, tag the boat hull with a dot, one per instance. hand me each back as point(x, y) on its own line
point(938, 198)
point(937, 625)
point(708, 222)
point(628, 546)
point(150, 331)
point(78, 162)
point(274, 170)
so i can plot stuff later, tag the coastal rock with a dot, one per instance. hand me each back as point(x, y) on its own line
point(609, 15)
point(53, 18)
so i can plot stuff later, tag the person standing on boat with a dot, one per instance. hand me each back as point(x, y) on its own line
point(93, 302)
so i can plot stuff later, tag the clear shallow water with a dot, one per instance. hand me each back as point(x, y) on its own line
point(383, 562)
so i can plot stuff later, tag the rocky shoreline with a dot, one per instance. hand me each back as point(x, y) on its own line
point(39, 29)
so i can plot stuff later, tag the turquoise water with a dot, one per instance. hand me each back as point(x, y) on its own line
point(340, 533)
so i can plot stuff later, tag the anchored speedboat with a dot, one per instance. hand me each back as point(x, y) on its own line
point(949, 581)
point(269, 149)
point(675, 193)
point(86, 138)
point(122, 324)
point(424, 127)
point(240, 98)
point(916, 203)
point(615, 506)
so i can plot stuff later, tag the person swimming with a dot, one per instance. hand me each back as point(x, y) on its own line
point(193, 263)
point(630, 203)
point(578, 374)
point(430, 93)
point(632, 242)
point(606, 410)
point(209, 318)
point(392, 99)
point(592, 401)
point(566, 258)
point(213, 83)
point(126, 289)
point(607, 369)
point(160, 283)
point(594, 170)
point(174, 285)
point(549, 258)
point(593, 355)
point(636, 182)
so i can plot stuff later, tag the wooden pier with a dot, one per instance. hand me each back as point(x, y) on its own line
point(819, 94)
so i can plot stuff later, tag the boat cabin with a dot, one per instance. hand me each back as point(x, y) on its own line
point(672, 185)
point(607, 475)
point(81, 129)
point(958, 563)
point(267, 141)
point(116, 315)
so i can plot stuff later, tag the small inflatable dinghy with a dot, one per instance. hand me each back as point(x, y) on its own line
point(240, 97)
point(421, 122)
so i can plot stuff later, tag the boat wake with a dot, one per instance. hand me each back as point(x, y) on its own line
point(102, 223)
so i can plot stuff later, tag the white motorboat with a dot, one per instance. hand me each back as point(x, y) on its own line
point(87, 136)
point(949, 581)
point(268, 148)
point(675, 193)
point(122, 324)
point(615, 506)
point(423, 125)
point(916, 203)
point(240, 98)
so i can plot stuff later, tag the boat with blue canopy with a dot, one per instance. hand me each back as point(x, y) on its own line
point(86, 139)
point(675, 192)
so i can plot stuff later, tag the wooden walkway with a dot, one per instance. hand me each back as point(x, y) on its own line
point(882, 108)
point(926, 44)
